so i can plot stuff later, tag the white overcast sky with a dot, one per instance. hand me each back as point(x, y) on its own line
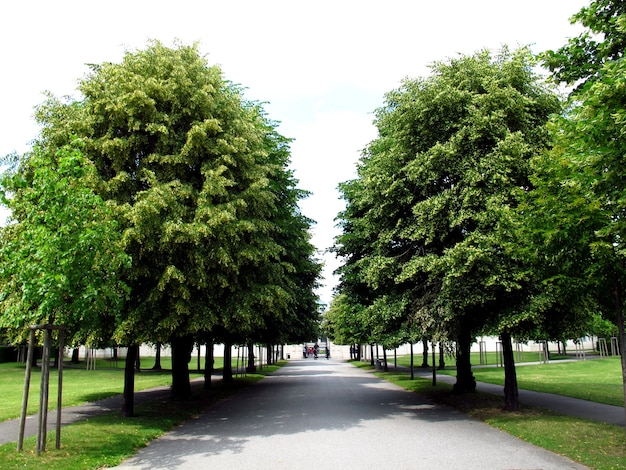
point(322, 67)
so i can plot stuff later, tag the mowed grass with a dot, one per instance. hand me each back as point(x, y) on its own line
point(80, 385)
point(107, 440)
point(596, 445)
point(598, 380)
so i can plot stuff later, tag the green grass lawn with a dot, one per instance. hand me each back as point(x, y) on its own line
point(107, 440)
point(597, 445)
point(112, 438)
point(598, 380)
point(81, 385)
point(488, 358)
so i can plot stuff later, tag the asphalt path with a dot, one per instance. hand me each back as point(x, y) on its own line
point(332, 415)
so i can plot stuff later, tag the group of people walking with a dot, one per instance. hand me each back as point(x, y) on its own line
point(313, 351)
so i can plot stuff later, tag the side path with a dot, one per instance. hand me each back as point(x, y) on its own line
point(569, 406)
point(561, 404)
point(10, 429)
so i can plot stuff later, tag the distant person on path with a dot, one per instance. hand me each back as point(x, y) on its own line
point(304, 351)
point(327, 352)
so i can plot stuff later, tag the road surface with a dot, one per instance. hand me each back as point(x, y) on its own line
point(332, 415)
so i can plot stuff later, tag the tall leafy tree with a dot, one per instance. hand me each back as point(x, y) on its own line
point(588, 157)
point(451, 158)
point(188, 164)
point(62, 259)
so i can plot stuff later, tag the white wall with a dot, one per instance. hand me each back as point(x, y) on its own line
point(341, 352)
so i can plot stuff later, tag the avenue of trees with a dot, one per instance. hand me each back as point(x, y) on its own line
point(489, 204)
point(157, 208)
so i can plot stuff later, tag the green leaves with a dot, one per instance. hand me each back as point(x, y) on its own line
point(61, 254)
point(195, 182)
point(582, 59)
point(428, 217)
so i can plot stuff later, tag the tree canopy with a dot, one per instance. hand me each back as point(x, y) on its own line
point(586, 168)
point(197, 179)
point(62, 256)
point(423, 232)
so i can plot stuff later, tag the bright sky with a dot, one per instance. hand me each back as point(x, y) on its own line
point(322, 67)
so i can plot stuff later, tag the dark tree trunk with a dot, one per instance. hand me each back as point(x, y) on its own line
point(75, 356)
point(251, 368)
point(412, 364)
point(385, 367)
point(434, 368)
point(181, 355)
point(358, 352)
point(36, 354)
point(442, 358)
point(511, 396)
point(157, 359)
point(425, 354)
point(227, 372)
point(372, 354)
point(546, 350)
point(465, 381)
point(270, 354)
point(128, 397)
point(208, 363)
point(138, 362)
point(55, 355)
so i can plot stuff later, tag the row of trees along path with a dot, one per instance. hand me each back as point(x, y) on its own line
point(488, 205)
point(157, 208)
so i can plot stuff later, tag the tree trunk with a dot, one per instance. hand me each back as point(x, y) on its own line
point(227, 372)
point(181, 355)
point(128, 397)
point(385, 367)
point(372, 353)
point(55, 355)
point(251, 368)
point(269, 354)
point(36, 354)
point(465, 381)
point(138, 361)
point(208, 363)
point(442, 359)
point(619, 311)
point(157, 359)
point(511, 395)
point(358, 352)
point(75, 355)
point(425, 354)
point(412, 368)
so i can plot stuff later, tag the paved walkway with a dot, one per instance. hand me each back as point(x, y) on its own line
point(329, 414)
point(338, 370)
point(559, 403)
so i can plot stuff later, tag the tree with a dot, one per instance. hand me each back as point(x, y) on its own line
point(188, 165)
point(342, 322)
point(590, 146)
point(451, 158)
point(62, 255)
point(584, 57)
